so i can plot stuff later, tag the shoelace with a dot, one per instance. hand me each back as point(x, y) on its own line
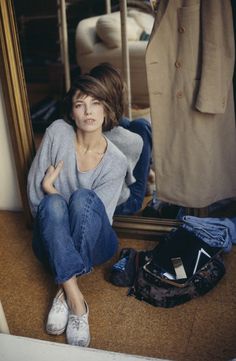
point(78, 322)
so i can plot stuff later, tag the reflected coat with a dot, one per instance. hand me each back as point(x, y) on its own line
point(190, 64)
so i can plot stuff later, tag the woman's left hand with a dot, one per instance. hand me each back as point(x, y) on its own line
point(50, 177)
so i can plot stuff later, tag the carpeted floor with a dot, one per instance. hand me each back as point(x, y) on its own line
point(203, 329)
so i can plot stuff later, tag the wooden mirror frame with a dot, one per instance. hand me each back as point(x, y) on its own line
point(21, 133)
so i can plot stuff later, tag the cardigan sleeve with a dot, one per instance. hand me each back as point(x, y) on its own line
point(37, 171)
point(130, 144)
point(217, 41)
point(109, 184)
point(109, 192)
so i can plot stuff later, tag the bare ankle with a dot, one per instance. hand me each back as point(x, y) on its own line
point(74, 297)
point(77, 306)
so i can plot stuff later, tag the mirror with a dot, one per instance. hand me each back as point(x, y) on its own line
point(21, 131)
point(17, 102)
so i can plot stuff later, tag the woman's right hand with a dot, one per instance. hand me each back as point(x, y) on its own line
point(50, 177)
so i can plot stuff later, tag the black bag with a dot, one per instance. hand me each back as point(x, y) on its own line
point(154, 283)
point(123, 272)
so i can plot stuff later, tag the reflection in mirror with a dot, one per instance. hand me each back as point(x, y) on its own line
point(20, 127)
point(96, 33)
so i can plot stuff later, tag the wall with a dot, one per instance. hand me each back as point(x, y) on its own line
point(9, 189)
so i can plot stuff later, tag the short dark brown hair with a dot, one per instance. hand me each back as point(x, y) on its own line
point(112, 80)
point(88, 85)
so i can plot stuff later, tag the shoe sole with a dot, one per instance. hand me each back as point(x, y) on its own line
point(86, 345)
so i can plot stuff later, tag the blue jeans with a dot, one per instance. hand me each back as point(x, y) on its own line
point(70, 238)
point(141, 171)
point(217, 232)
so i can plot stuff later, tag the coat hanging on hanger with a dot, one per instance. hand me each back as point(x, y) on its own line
point(190, 64)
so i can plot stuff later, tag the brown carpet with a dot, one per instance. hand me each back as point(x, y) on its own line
point(203, 329)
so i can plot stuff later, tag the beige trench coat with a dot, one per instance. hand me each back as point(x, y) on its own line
point(190, 63)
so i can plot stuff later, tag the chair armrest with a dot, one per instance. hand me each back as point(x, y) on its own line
point(86, 36)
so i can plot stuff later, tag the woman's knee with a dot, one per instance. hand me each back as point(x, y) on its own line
point(53, 206)
point(142, 127)
point(81, 195)
point(82, 199)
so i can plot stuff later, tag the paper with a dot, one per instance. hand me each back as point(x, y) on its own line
point(201, 259)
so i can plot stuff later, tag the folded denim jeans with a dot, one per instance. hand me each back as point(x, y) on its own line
point(217, 232)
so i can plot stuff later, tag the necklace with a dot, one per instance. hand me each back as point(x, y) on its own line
point(83, 150)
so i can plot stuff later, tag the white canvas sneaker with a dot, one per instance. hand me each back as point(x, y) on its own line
point(58, 315)
point(77, 331)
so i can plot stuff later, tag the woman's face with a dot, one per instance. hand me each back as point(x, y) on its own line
point(88, 113)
